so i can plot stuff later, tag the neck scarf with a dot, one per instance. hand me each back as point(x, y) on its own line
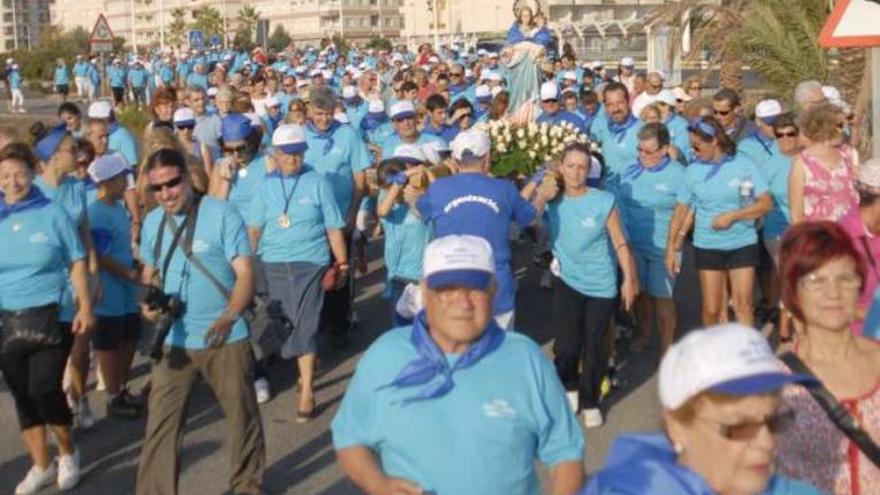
point(636, 169)
point(35, 199)
point(619, 130)
point(432, 362)
point(373, 120)
point(716, 166)
point(326, 135)
point(766, 142)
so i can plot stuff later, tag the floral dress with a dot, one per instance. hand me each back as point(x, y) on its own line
point(816, 451)
point(829, 194)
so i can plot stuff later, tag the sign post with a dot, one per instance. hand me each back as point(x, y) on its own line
point(196, 40)
point(854, 23)
point(101, 41)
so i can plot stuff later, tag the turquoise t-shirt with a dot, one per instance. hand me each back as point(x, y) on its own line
point(580, 242)
point(721, 194)
point(311, 209)
point(679, 135)
point(776, 170)
point(647, 200)
point(406, 237)
point(45, 242)
point(219, 237)
point(111, 234)
point(757, 147)
point(482, 437)
point(122, 141)
point(618, 149)
point(245, 183)
point(338, 160)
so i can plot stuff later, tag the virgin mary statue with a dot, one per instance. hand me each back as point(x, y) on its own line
point(527, 40)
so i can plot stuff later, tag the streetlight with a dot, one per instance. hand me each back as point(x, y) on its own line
point(162, 24)
point(14, 25)
point(134, 45)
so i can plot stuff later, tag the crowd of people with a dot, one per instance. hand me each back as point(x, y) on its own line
point(264, 176)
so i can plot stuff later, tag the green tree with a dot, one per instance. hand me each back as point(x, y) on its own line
point(279, 39)
point(177, 28)
point(339, 41)
point(247, 25)
point(208, 20)
point(380, 43)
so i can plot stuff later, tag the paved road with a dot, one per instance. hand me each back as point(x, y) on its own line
point(300, 457)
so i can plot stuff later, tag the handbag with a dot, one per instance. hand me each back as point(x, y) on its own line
point(838, 414)
point(32, 329)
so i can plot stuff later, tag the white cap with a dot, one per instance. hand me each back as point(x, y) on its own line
point(731, 359)
point(349, 92)
point(549, 91)
point(831, 93)
point(470, 145)
point(402, 108)
point(271, 101)
point(376, 106)
point(596, 64)
point(100, 110)
point(627, 62)
point(433, 59)
point(290, 139)
point(681, 94)
point(433, 149)
point(570, 75)
point(341, 117)
point(483, 92)
point(315, 73)
point(212, 91)
point(768, 109)
point(493, 54)
point(458, 261)
point(411, 154)
point(301, 83)
point(667, 96)
point(328, 74)
point(108, 167)
point(184, 116)
point(495, 76)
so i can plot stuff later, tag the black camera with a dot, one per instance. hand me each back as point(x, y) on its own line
point(170, 308)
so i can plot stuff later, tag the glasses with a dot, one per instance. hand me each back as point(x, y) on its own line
point(455, 74)
point(748, 430)
point(645, 150)
point(233, 149)
point(185, 127)
point(789, 134)
point(170, 184)
point(820, 283)
point(721, 112)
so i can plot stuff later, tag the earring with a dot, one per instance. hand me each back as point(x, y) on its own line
point(678, 448)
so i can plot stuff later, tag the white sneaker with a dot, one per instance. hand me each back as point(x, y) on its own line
point(68, 470)
point(592, 418)
point(83, 417)
point(261, 387)
point(572, 400)
point(36, 479)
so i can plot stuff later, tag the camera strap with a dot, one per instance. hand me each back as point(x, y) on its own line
point(188, 226)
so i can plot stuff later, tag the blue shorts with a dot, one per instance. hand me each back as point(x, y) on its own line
point(653, 277)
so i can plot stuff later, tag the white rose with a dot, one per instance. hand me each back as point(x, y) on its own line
point(548, 157)
point(544, 140)
point(502, 148)
point(533, 154)
point(520, 133)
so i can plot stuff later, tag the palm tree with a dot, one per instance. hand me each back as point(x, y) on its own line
point(177, 28)
point(247, 21)
point(208, 20)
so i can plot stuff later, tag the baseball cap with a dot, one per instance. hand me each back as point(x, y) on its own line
point(495, 76)
point(100, 110)
point(290, 139)
point(458, 261)
point(470, 145)
point(681, 94)
point(483, 93)
point(341, 117)
point(868, 173)
point(376, 106)
point(271, 101)
point(184, 117)
point(768, 110)
point(666, 96)
point(436, 151)
point(730, 359)
point(349, 93)
point(212, 91)
point(411, 154)
point(301, 83)
point(549, 91)
point(108, 167)
point(493, 54)
point(235, 127)
point(48, 144)
point(402, 109)
point(627, 62)
point(570, 75)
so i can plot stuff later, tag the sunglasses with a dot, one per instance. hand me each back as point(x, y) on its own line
point(721, 112)
point(789, 134)
point(233, 149)
point(455, 74)
point(170, 184)
point(745, 431)
point(186, 127)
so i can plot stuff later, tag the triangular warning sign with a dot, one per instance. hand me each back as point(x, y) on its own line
point(101, 31)
point(852, 23)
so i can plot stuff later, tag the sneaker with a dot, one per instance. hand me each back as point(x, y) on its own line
point(83, 417)
point(36, 479)
point(124, 406)
point(572, 400)
point(261, 387)
point(68, 470)
point(592, 418)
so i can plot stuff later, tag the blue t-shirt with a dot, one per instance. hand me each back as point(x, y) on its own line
point(62, 76)
point(356, 113)
point(619, 149)
point(245, 183)
point(678, 134)
point(196, 79)
point(81, 69)
point(475, 204)
point(776, 170)
point(580, 242)
point(116, 76)
point(122, 141)
point(721, 194)
point(647, 201)
point(111, 235)
point(483, 437)
point(338, 160)
point(137, 77)
point(219, 237)
point(311, 210)
point(45, 242)
point(757, 147)
point(15, 79)
point(406, 237)
point(208, 131)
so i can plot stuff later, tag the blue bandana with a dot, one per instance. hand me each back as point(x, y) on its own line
point(35, 199)
point(766, 143)
point(327, 135)
point(636, 169)
point(619, 130)
point(46, 147)
point(432, 362)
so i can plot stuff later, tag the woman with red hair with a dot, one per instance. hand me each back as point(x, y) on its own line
point(822, 274)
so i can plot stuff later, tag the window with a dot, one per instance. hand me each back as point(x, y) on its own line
point(374, 21)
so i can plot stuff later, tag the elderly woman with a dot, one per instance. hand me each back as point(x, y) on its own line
point(294, 224)
point(647, 196)
point(162, 104)
point(722, 196)
point(48, 250)
point(236, 176)
point(721, 391)
point(822, 181)
point(588, 244)
point(822, 274)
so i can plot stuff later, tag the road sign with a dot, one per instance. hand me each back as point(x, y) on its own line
point(852, 23)
point(196, 40)
point(101, 39)
point(216, 40)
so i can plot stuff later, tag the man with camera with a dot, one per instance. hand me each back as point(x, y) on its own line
point(192, 246)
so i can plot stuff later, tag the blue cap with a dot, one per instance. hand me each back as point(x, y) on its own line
point(701, 126)
point(45, 148)
point(761, 383)
point(236, 127)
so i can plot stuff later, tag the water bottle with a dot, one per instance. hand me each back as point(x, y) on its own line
point(746, 191)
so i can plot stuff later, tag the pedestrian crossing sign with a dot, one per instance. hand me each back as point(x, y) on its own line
point(101, 31)
point(852, 23)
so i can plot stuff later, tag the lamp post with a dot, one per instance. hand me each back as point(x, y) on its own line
point(162, 25)
point(341, 21)
point(225, 27)
point(14, 25)
point(134, 45)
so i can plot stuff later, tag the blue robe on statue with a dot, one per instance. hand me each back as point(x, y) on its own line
point(523, 72)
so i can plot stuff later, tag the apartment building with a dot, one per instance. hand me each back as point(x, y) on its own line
point(22, 22)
